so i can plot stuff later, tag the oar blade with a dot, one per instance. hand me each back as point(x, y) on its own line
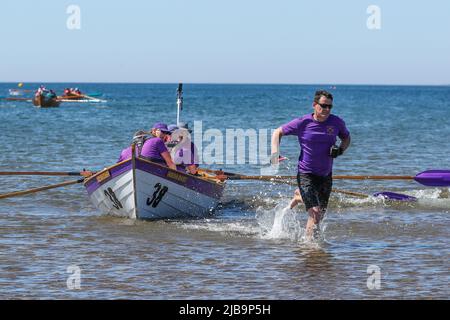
point(395, 196)
point(434, 178)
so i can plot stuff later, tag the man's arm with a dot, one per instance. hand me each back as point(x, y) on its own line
point(336, 151)
point(166, 156)
point(276, 138)
point(345, 143)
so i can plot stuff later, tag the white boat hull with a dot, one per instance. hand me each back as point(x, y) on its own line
point(152, 191)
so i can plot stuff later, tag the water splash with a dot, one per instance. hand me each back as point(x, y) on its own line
point(280, 222)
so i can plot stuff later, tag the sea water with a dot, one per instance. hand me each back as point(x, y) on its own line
point(253, 247)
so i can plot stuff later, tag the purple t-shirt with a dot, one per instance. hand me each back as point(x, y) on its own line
point(315, 139)
point(187, 156)
point(126, 154)
point(153, 148)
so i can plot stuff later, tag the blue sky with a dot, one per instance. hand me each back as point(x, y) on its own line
point(246, 41)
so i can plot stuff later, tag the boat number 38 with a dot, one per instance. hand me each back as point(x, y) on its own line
point(157, 196)
point(112, 196)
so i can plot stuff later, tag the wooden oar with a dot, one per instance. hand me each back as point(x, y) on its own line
point(92, 98)
point(20, 90)
point(220, 172)
point(25, 192)
point(16, 99)
point(79, 98)
point(350, 193)
point(84, 173)
point(432, 178)
point(386, 195)
point(285, 179)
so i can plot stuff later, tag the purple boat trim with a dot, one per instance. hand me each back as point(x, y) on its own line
point(115, 171)
point(207, 188)
point(395, 196)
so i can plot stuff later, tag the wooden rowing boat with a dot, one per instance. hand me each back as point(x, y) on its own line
point(142, 189)
point(44, 102)
point(72, 96)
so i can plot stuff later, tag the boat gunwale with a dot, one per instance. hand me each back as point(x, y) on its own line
point(87, 180)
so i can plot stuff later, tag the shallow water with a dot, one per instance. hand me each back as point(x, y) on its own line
point(252, 248)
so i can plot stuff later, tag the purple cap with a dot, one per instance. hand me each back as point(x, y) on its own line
point(161, 126)
point(172, 127)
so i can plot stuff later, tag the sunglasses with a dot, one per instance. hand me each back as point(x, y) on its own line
point(325, 106)
point(165, 132)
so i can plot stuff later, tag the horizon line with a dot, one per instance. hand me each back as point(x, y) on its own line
point(235, 83)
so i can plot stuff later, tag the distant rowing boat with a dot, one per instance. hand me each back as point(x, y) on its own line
point(42, 101)
point(138, 188)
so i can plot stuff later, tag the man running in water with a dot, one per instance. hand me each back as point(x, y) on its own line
point(317, 135)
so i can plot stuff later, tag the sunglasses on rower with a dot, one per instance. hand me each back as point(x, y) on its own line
point(325, 106)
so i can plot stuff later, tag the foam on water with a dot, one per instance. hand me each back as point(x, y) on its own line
point(274, 220)
point(283, 223)
point(242, 227)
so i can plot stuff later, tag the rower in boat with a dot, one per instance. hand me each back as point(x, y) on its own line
point(45, 98)
point(150, 187)
point(183, 151)
point(154, 148)
point(71, 93)
point(138, 139)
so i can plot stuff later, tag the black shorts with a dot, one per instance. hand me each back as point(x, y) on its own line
point(315, 190)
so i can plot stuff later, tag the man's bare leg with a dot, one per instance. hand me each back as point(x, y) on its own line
point(296, 200)
point(316, 215)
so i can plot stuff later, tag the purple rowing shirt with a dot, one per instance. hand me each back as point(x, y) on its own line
point(153, 148)
point(315, 139)
point(187, 156)
point(126, 154)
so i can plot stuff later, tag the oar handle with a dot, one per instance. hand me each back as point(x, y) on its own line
point(220, 172)
point(25, 192)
